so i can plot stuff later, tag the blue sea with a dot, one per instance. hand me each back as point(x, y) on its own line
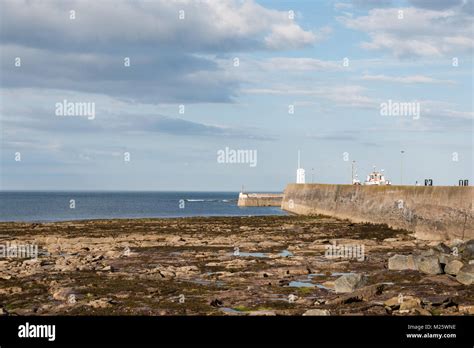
point(58, 206)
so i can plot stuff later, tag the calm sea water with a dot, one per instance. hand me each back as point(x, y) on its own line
point(55, 206)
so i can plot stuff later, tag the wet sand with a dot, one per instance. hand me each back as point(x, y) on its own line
point(272, 265)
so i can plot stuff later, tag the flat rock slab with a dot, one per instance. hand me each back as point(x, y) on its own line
point(349, 283)
point(401, 263)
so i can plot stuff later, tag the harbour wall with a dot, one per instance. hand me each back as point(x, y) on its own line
point(260, 199)
point(432, 212)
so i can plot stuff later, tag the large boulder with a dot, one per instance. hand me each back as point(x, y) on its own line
point(401, 263)
point(453, 267)
point(466, 275)
point(443, 248)
point(428, 264)
point(467, 250)
point(349, 282)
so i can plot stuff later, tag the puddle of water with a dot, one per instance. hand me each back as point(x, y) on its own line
point(250, 254)
point(230, 310)
point(298, 284)
point(286, 253)
point(301, 284)
point(311, 275)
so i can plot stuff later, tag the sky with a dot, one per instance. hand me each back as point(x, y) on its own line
point(170, 85)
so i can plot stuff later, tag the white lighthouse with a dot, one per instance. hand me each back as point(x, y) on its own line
point(300, 175)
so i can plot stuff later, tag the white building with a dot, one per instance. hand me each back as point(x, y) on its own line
point(300, 173)
point(300, 176)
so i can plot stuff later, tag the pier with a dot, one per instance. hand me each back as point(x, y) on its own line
point(432, 212)
point(260, 199)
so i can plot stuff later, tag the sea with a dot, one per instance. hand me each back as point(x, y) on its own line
point(41, 206)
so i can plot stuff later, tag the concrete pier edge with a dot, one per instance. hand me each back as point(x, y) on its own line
point(432, 212)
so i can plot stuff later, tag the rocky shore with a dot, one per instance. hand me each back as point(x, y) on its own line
point(273, 265)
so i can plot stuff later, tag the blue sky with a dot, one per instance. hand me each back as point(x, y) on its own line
point(283, 61)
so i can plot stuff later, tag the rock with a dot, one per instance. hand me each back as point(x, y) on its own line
point(455, 243)
point(421, 311)
point(428, 264)
point(262, 313)
point(349, 282)
point(100, 303)
point(329, 284)
point(436, 300)
point(404, 302)
point(447, 258)
point(410, 302)
point(453, 267)
point(429, 252)
point(11, 290)
point(31, 262)
point(443, 248)
point(111, 254)
point(166, 274)
point(467, 250)
point(126, 251)
point(466, 275)
point(442, 279)
point(175, 239)
point(393, 302)
point(186, 270)
point(401, 263)
point(216, 303)
point(316, 312)
point(61, 294)
point(363, 294)
point(467, 309)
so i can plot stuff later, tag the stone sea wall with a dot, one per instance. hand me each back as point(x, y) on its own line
point(432, 212)
point(260, 199)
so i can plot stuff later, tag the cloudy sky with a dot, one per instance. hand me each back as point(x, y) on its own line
point(208, 75)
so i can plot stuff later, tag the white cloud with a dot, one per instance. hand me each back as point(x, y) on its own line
point(412, 79)
point(299, 64)
point(285, 37)
point(207, 25)
point(342, 6)
point(419, 33)
point(340, 96)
